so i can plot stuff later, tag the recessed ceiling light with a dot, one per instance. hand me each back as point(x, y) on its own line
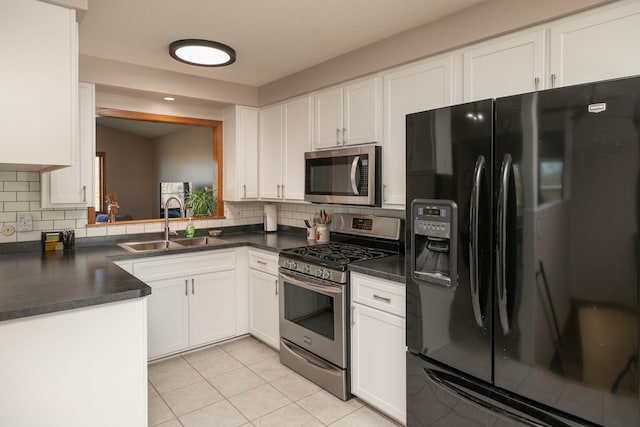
point(204, 53)
point(169, 98)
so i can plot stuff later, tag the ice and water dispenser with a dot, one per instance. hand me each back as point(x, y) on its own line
point(433, 242)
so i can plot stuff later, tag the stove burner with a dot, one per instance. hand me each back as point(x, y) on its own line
point(339, 253)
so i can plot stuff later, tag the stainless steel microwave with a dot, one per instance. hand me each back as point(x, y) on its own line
point(349, 176)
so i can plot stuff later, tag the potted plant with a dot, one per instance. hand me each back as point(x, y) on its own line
point(202, 202)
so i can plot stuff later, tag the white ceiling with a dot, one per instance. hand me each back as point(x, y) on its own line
point(272, 38)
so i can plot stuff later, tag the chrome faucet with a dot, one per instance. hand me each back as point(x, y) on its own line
point(166, 214)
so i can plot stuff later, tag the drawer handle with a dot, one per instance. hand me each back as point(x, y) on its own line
point(261, 262)
point(385, 299)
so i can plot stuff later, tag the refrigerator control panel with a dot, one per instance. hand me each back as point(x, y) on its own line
point(433, 242)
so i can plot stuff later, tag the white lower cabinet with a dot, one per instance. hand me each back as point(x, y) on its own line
point(378, 365)
point(192, 302)
point(264, 319)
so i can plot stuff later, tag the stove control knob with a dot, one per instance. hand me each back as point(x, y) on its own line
point(306, 268)
point(326, 274)
point(319, 272)
point(293, 265)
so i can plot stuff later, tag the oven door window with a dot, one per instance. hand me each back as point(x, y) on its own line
point(309, 309)
point(338, 176)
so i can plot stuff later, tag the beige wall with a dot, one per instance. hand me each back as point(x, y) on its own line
point(129, 170)
point(484, 20)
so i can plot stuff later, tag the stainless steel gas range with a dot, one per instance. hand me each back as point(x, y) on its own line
point(314, 297)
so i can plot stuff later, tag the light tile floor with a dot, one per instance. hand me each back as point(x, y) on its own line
point(242, 383)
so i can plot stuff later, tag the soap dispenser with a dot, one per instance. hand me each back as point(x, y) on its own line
point(190, 230)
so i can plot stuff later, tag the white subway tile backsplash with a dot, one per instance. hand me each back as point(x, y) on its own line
point(28, 176)
point(8, 176)
point(16, 186)
point(8, 239)
point(20, 192)
point(96, 231)
point(52, 215)
point(28, 196)
point(27, 236)
point(64, 224)
point(115, 230)
point(76, 214)
point(135, 228)
point(43, 225)
point(8, 217)
point(16, 206)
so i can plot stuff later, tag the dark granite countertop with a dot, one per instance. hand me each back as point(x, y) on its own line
point(35, 283)
point(390, 268)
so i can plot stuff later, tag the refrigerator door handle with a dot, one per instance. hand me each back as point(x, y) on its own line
point(474, 241)
point(501, 261)
point(496, 403)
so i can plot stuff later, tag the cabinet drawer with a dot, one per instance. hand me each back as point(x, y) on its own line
point(263, 261)
point(378, 293)
point(183, 265)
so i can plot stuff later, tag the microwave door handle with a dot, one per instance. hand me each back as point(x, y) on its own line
point(354, 169)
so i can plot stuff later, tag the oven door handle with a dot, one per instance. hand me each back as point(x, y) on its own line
point(312, 284)
point(354, 169)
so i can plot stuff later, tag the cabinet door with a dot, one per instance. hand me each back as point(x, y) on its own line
point(248, 157)
point(378, 360)
point(600, 45)
point(362, 111)
point(508, 66)
point(296, 117)
point(73, 186)
point(327, 124)
point(167, 317)
point(409, 90)
point(263, 308)
point(270, 152)
point(43, 89)
point(211, 307)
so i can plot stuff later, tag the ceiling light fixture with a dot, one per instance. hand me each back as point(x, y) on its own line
point(169, 98)
point(204, 53)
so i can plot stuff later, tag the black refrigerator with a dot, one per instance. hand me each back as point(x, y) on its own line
point(522, 259)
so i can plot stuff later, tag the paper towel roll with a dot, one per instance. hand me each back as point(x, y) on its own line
point(270, 217)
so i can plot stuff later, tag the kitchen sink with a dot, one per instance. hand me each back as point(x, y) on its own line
point(195, 241)
point(152, 246)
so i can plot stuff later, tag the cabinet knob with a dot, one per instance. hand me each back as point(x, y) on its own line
point(553, 80)
point(244, 188)
point(337, 136)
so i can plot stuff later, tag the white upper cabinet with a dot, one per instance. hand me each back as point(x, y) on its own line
point(596, 45)
point(240, 153)
point(418, 87)
point(38, 83)
point(74, 186)
point(296, 116)
point(285, 135)
point(348, 115)
point(505, 66)
point(271, 152)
